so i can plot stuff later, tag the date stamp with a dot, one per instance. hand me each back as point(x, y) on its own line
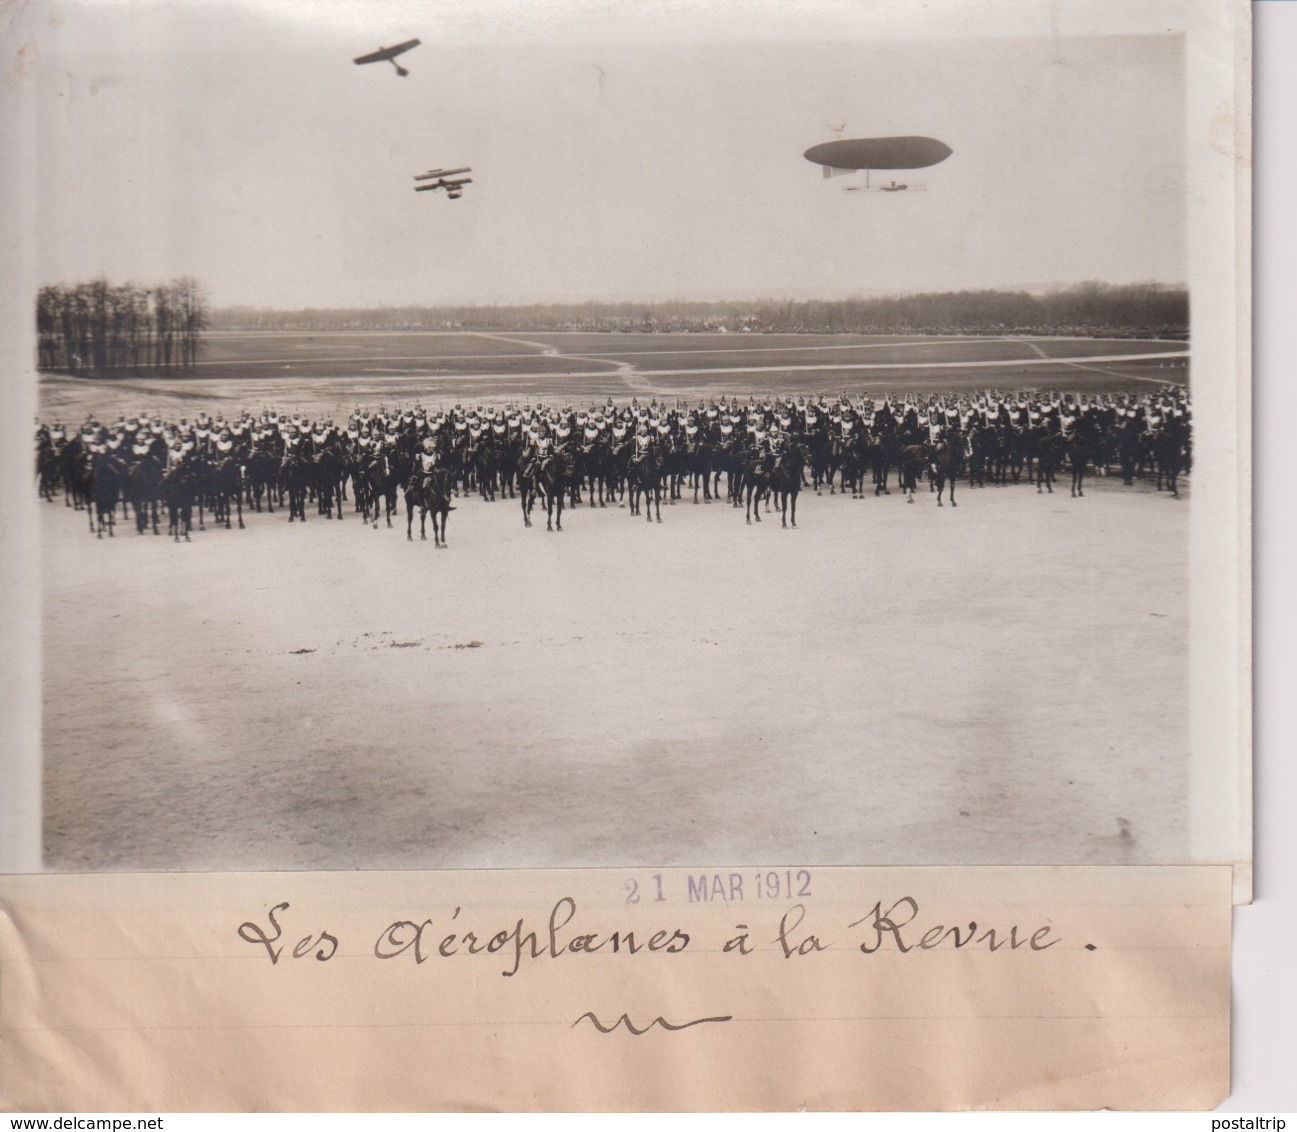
point(725, 888)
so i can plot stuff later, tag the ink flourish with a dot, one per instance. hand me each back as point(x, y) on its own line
point(625, 1020)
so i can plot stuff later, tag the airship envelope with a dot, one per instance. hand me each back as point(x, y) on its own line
point(878, 153)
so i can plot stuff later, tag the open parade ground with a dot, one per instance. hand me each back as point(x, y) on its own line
point(1006, 681)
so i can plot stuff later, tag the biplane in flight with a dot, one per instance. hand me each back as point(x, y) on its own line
point(447, 179)
point(389, 54)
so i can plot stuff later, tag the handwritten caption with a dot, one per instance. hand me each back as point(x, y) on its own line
point(896, 926)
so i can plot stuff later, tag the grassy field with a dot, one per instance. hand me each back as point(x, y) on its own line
point(330, 374)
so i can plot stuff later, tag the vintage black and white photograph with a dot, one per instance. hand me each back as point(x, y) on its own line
point(481, 437)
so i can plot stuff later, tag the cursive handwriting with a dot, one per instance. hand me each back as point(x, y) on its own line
point(421, 939)
point(895, 927)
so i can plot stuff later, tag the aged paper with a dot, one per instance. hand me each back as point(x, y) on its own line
point(132, 991)
point(738, 989)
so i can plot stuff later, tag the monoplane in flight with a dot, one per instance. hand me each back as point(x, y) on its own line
point(389, 54)
point(867, 154)
point(447, 179)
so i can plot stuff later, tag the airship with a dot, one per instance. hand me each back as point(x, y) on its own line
point(856, 154)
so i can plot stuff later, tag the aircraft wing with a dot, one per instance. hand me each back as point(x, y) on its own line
point(433, 173)
point(453, 188)
point(385, 53)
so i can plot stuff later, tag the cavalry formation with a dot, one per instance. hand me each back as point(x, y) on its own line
point(628, 455)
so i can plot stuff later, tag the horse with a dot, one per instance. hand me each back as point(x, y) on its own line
point(1050, 450)
point(698, 464)
point(673, 463)
point(107, 474)
point(224, 482)
point(527, 489)
point(47, 468)
point(645, 478)
point(328, 472)
point(727, 459)
point(1170, 445)
point(946, 463)
point(143, 483)
point(756, 481)
point(177, 490)
point(294, 474)
point(259, 477)
point(786, 482)
point(383, 479)
point(592, 469)
point(1128, 451)
point(482, 456)
point(910, 462)
point(887, 454)
point(508, 458)
point(552, 477)
point(430, 493)
point(847, 457)
point(1080, 445)
point(74, 469)
point(981, 455)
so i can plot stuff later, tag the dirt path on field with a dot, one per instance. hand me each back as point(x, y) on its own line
point(1005, 682)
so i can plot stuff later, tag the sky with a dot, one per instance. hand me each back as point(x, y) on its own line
point(614, 156)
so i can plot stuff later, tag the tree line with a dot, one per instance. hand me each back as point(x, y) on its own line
point(99, 328)
point(1147, 310)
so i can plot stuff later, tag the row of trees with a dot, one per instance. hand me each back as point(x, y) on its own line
point(1098, 309)
point(99, 328)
